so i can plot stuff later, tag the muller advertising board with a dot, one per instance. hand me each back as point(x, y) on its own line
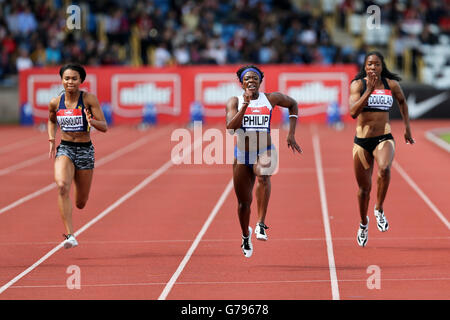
point(172, 90)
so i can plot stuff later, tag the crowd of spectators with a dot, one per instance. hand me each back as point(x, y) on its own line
point(182, 32)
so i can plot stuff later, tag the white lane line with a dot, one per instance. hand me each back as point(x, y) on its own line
point(98, 163)
point(419, 191)
point(197, 240)
point(224, 282)
point(433, 137)
point(326, 220)
point(19, 144)
point(105, 212)
point(26, 163)
point(23, 164)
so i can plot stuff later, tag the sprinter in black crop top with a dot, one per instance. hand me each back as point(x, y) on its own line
point(372, 95)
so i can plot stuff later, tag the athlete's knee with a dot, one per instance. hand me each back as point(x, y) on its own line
point(81, 203)
point(63, 188)
point(384, 171)
point(244, 205)
point(264, 180)
point(364, 192)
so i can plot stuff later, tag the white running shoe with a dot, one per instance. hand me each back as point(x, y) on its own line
point(260, 231)
point(70, 241)
point(363, 234)
point(247, 247)
point(382, 223)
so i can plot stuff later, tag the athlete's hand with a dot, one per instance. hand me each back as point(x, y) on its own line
point(292, 144)
point(248, 95)
point(408, 137)
point(52, 152)
point(372, 80)
point(88, 116)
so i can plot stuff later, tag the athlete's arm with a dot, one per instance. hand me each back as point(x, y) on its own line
point(358, 101)
point(51, 126)
point(233, 117)
point(94, 114)
point(285, 101)
point(403, 106)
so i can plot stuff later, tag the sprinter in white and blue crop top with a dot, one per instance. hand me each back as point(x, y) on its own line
point(249, 117)
point(372, 95)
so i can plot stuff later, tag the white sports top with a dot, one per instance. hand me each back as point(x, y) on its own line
point(258, 114)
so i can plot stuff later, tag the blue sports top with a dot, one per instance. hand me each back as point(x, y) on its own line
point(72, 120)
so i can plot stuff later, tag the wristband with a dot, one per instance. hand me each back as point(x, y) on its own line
point(293, 116)
point(51, 139)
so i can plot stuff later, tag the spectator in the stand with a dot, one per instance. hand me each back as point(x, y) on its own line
point(26, 22)
point(428, 37)
point(53, 53)
point(38, 55)
point(181, 54)
point(263, 31)
point(162, 56)
point(23, 61)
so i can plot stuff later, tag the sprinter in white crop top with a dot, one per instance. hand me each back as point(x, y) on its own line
point(249, 117)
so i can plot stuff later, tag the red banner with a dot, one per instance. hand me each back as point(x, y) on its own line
point(173, 90)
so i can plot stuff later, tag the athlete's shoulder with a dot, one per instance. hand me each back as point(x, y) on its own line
point(233, 100)
point(89, 98)
point(356, 84)
point(393, 83)
point(54, 103)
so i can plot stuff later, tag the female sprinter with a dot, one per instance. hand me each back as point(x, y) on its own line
point(372, 94)
point(249, 117)
point(75, 112)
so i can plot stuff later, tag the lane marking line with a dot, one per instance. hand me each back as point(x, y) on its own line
point(105, 212)
point(325, 216)
point(222, 282)
point(197, 240)
point(419, 191)
point(112, 156)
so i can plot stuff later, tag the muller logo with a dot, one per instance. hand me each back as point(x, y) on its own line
point(131, 92)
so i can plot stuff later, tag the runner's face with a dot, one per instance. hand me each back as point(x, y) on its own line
point(373, 65)
point(71, 80)
point(251, 81)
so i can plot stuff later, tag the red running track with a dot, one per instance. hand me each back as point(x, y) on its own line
point(156, 230)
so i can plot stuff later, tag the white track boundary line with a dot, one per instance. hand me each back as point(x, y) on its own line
point(23, 164)
point(431, 136)
point(424, 197)
point(197, 240)
point(326, 220)
point(99, 163)
point(145, 284)
point(105, 212)
point(18, 144)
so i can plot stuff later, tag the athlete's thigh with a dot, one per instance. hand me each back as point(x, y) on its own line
point(83, 181)
point(267, 163)
point(243, 180)
point(64, 169)
point(384, 153)
point(362, 165)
